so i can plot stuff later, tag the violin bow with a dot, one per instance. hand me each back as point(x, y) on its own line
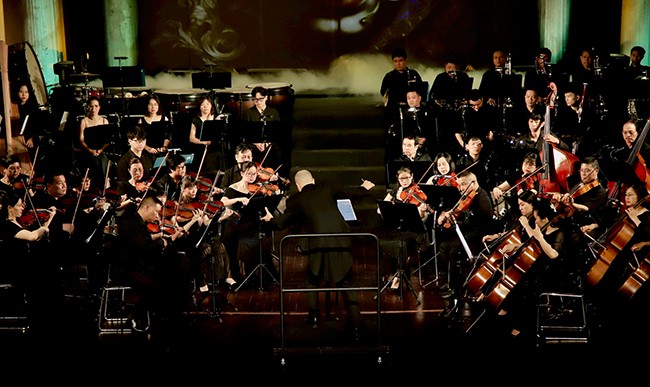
point(533, 173)
point(81, 190)
point(31, 173)
point(31, 203)
point(180, 197)
point(410, 194)
point(108, 168)
point(198, 172)
point(154, 179)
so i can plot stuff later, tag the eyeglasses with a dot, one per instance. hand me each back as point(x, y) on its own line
point(260, 99)
point(250, 174)
point(404, 178)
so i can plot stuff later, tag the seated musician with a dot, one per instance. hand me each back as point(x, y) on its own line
point(547, 273)
point(407, 192)
point(12, 176)
point(587, 199)
point(535, 138)
point(137, 139)
point(445, 168)
point(630, 134)
point(176, 170)
point(529, 180)
point(472, 216)
point(243, 153)
point(241, 236)
point(412, 150)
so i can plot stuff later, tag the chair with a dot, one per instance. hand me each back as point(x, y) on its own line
point(13, 310)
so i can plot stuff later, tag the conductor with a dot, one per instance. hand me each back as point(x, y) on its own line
point(313, 210)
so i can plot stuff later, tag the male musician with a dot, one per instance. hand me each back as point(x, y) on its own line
point(171, 181)
point(266, 148)
point(588, 198)
point(137, 139)
point(395, 84)
point(412, 151)
point(622, 155)
point(243, 153)
point(467, 225)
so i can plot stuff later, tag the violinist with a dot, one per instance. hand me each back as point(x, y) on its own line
point(131, 191)
point(407, 192)
point(137, 139)
point(145, 261)
point(177, 169)
point(529, 180)
point(240, 236)
point(473, 219)
point(12, 176)
point(243, 153)
point(587, 199)
point(27, 266)
point(445, 167)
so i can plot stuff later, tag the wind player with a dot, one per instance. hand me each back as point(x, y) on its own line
point(473, 218)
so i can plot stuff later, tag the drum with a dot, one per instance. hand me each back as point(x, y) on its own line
point(127, 101)
point(180, 100)
point(235, 100)
point(82, 93)
point(280, 95)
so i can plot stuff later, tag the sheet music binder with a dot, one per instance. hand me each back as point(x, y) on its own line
point(346, 209)
point(212, 130)
point(189, 158)
point(256, 132)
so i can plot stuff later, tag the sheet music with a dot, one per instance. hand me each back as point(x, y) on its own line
point(346, 209)
point(64, 119)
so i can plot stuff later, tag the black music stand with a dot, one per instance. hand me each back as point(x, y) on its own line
point(261, 131)
point(253, 212)
point(438, 198)
point(401, 217)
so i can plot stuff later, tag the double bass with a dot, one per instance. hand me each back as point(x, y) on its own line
point(559, 163)
point(636, 279)
point(638, 164)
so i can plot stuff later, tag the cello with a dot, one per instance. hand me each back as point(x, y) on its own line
point(525, 256)
point(616, 238)
point(636, 279)
point(559, 163)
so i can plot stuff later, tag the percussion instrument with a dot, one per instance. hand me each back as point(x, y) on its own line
point(180, 100)
point(280, 94)
point(235, 100)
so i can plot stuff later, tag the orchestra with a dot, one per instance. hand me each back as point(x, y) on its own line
point(568, 205)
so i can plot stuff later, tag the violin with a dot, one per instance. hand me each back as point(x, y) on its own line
point(142, 185)
point(463, 204)
point(167, 228)
point(262, 188)
point(447, 180)
point(37, 216)
point(266, 173)
point(413, 195)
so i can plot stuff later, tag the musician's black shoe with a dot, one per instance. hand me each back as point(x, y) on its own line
point(312, 319)
point(447, 294)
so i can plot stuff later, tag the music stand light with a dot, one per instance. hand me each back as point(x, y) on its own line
point(401, 217)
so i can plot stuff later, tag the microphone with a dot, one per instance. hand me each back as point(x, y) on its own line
point(120, 57)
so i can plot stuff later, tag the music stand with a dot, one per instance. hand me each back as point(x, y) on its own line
point(252, 212)
point(402, 217)
point(438, 198)
point(260, 131)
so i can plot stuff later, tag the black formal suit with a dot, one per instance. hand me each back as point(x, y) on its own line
point(313, 210)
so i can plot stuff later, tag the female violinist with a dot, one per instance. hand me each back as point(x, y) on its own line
point(241, 235)
point(12, 176)
point(445, 167)
point(131, 191)
point(407, 192)
point(23, 262)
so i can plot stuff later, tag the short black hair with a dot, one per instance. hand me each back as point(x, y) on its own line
point(399, 52)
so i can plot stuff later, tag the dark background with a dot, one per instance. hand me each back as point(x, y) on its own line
point(244, 34)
